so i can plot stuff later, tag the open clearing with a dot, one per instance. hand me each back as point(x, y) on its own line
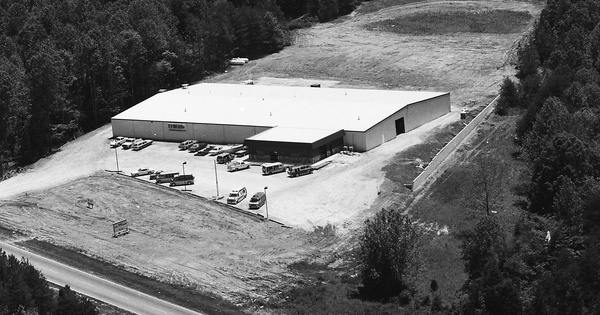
point(182, 239)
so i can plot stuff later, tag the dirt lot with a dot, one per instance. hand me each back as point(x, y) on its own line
point(182, 239)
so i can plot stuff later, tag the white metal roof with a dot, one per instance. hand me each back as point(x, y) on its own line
point(284, 106)
point(296, 135)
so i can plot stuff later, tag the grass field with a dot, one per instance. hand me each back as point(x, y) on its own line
point(372, 6)
point(437, 23)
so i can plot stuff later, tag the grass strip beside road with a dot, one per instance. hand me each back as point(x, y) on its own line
point(180, 295)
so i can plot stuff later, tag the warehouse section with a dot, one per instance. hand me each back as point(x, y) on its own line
point(281, 123)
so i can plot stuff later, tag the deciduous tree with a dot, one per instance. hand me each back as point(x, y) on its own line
point(389, 255)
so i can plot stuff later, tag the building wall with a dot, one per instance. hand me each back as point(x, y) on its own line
point(426, 111)
point(168, 131)
point(414, 115)
point(293, 153)
point(356, 139)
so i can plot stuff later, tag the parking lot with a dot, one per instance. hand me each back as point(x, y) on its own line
point(335, 194)
point(212, 180)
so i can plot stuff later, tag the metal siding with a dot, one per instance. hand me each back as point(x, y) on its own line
point(122, 128)
point(426, 111)
point(357, 140)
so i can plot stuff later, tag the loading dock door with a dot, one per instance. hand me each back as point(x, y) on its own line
point(400, 126)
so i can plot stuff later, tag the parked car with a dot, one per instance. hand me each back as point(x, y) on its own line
point(197, 147)
point(128, 144)
point(237, 165)
point(299, 170)
point(186, 144)
point(165, 177)
point(241, 153)
point(142, 171)
point(204, 151)
point(141, 144)
point(215, 151)
point(116, 142)
point(180, 180)
point(155, 174)
point(258, 200)
point(236, 195)
point(224, 158)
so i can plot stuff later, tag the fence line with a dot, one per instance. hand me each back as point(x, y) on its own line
point(451, 146)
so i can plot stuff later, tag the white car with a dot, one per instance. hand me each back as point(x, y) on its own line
point(237, 165)
point(215, 151)
point(117, 141)
point(142, 171)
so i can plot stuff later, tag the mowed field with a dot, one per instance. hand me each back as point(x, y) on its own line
point(185, 240)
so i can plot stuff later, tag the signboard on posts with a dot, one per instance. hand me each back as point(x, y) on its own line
point(120, 228)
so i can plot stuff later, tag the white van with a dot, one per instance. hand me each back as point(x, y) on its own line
point(236, 195)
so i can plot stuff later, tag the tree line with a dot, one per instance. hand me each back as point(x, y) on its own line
point(66, 67)
point(551, 265)
point(24, 291)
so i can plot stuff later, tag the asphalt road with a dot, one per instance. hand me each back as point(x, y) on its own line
point(98, 288)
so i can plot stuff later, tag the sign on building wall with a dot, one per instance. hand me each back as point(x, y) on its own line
point(176, 127)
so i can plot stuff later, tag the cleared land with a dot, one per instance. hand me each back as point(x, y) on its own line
point(184, 240)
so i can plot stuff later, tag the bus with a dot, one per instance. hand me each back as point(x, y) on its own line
point(272, 168)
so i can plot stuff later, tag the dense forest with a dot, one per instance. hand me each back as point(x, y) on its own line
point(66, 67)
point(24, 291)
point(558, 96)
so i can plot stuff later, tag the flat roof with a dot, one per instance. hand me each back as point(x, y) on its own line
point(295, 135)
point(270, 106)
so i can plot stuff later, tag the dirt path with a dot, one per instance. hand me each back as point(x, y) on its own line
point(76, 159)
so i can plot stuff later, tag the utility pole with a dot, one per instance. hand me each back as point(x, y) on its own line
point(267, 203)
point(117, 157)
point(217, 180)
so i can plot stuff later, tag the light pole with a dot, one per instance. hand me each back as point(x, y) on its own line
point(267, 203)
point(217, 181)
point(117, 157)
point(184, 180)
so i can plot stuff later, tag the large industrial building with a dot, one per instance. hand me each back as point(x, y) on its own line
point(288, 124)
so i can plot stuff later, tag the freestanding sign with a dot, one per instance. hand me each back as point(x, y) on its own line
point(120, 228)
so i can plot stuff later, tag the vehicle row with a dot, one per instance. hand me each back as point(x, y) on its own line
point(292, 171)
point(256, 201)
point(134, 144)
point(174, 179)
point(161, 177)
point(202, 149)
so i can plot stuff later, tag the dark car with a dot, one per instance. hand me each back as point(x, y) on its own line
point(197, 147)
point(204, 151)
